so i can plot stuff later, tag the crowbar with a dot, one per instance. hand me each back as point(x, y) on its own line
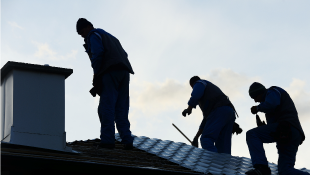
point(181, 133)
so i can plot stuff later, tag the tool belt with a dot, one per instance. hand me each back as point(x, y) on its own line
point(97, 81)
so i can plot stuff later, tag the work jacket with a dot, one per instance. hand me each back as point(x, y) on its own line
point(285, 111)
point(212, 98)
point(113, 56)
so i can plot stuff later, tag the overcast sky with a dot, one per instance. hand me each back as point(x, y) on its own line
point(230, 43)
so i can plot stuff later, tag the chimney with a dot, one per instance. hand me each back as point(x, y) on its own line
point(33, 105)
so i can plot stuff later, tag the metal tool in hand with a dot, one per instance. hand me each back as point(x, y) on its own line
point(182, 133)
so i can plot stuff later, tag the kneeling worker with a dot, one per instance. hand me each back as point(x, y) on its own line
point(283, 127)
point(219, 116)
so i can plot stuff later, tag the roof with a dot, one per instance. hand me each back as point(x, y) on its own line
point(86, 159)
point(197, 159)
point(132, 158)
point(10, 65)
point(149, 156)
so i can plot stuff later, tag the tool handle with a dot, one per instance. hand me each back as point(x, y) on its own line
point(181, 133)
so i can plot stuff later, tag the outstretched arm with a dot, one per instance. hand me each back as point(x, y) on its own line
point(197, 93)
point(199, 132)
point(195, 141)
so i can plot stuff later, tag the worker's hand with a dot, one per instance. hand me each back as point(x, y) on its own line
point(186, 111)
point(195, 142)
point(236, 129)
point(254, 110)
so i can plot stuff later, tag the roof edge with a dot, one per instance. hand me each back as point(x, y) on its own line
point(11, 65)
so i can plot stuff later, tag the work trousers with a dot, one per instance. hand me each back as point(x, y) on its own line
point(287, 152)
point(218, 130)
point(114, 107)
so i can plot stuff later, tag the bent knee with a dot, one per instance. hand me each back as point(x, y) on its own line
point(250, 134)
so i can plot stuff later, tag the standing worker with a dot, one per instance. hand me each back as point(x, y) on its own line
point(283, 127)
point(218, 116)
point(111, 82)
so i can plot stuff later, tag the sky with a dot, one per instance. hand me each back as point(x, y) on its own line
point(230, 43)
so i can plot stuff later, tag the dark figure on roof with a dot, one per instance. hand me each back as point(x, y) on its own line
point(283, 127)
point(218, 116)
point(111, 82)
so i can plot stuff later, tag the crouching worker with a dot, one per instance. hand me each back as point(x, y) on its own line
point(111, 82)
point(218, 116)
point(283, 127)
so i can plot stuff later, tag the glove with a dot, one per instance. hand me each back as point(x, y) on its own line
point(195, 142)
point(97, 86)
point(254, 109)
point(236, 129)
point(186, 111)
point(259, 122)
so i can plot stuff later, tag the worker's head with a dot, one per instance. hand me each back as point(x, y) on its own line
point(257, 92)
point(193, 80)
point(83, 27)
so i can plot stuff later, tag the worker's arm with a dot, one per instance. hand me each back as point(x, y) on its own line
point(272, 100)
point(97, 50)
point(195, 140)
point(199, 133)
point(197, 93)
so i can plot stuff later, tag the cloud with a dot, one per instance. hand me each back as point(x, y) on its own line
point(154, 98)
point(300, 97)
point(14, 24)
point(231, 82)
point(45, 52)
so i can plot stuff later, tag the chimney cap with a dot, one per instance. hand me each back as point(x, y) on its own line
point(10, 65)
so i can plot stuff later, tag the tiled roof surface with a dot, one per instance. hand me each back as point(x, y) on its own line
point(150, 156)
point(132, 158)
point(196, 159)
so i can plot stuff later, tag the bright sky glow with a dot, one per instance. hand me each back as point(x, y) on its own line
point(230, 43)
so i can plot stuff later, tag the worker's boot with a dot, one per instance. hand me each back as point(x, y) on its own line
point(106, 146)
point(128, 146)
point(259, 170)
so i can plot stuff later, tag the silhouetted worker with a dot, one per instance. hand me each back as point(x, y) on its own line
point(218, 116)
point(111, 82)
point(283, 127)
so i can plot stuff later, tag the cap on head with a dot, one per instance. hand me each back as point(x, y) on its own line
point(256, 89)
point(193, 80)
point(81, 23)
